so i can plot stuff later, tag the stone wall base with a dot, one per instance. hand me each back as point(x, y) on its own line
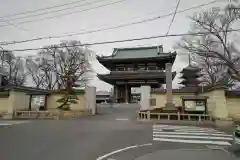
point(223, 123)
point(7, 116)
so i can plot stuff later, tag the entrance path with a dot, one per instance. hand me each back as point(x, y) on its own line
point(113, 133)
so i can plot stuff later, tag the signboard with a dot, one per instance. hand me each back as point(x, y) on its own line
point(200, 106)
point(189, 105)
point(194, 106)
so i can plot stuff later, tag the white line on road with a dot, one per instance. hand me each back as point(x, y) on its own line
point(177, 127)
point(184, 128)
point(194, 133)
point(192, 141)
point(122, 119)
point(121, 150)
point(5, 124)
point(192, 137)
point(186, 131)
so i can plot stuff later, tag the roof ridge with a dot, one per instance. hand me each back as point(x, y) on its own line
point(142, 47)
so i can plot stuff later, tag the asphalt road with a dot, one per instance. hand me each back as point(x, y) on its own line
point(85, 138)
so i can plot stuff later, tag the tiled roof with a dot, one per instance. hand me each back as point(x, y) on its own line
point(103, 93)
point(137, 52)
point(191, 68)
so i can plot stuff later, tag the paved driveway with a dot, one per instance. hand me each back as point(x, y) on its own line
point(87, 138)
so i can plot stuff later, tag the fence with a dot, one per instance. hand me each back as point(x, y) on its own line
point(48, 114)
point(33, 115)
point(147, 115)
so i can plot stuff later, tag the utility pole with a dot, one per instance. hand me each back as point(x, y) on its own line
point(1, 72)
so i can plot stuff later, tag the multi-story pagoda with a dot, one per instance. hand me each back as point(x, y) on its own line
point(190, 77)
point(134, 67)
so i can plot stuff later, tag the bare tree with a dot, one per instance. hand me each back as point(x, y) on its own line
point(33, 65)
point(54, 61)
point(212, 74)
point(14, 68)
point(219, 56)
point(68, 55)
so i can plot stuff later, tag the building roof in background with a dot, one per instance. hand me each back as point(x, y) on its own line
point(103, 93)
point(26, 89)
point(137, 52)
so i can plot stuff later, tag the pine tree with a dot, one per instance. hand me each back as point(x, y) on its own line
point(69, 95)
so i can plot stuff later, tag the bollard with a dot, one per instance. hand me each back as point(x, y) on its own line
point(199, 119)
point(178, 116)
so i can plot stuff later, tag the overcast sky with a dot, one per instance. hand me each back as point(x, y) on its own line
point(123, 12)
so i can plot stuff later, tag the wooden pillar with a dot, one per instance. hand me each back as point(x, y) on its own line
point(45, 102)
point(30, 103)
point(129, 94)
point(115, 91)
point(126, 93)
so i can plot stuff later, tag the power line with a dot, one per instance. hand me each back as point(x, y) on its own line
point(125, 40)
point(41, 9)
point(14, 25)
point(109, 28)
point(175, 12)
point(55, 11)
point(65, 14)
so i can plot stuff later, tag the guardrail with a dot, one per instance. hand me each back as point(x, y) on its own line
point(34, 115)
point(48, 114)
point(147, 115)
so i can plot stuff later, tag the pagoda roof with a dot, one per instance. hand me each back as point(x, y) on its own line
point(137, 53)
point(191, 75)
point(192, 81)
point(191, 69)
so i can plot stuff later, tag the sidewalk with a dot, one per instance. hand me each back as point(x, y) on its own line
point(196, 154)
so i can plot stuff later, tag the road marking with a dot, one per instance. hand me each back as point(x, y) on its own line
point(121, 150)
point(184, 128)
point(5, 124)
point(192, 141)
point(122, 119)
point(194, 133)
point(190, 134)
point(192, 137)
point(8, 123)
point(187, 131)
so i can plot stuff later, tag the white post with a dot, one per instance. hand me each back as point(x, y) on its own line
point(90, 97)
point(145, 97)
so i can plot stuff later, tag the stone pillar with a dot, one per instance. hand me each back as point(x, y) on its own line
point(168, 70)
point(126, 93)
point(145, 97)
point(90, 98)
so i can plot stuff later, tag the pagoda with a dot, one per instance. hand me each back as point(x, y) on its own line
point(135, 67)
point(190, 77)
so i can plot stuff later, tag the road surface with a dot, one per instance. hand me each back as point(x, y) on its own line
point(113, 134)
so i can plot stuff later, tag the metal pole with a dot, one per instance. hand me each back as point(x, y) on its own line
point(1, 76)
point(2, 55)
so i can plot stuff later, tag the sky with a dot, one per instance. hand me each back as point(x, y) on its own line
point(84, 18)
